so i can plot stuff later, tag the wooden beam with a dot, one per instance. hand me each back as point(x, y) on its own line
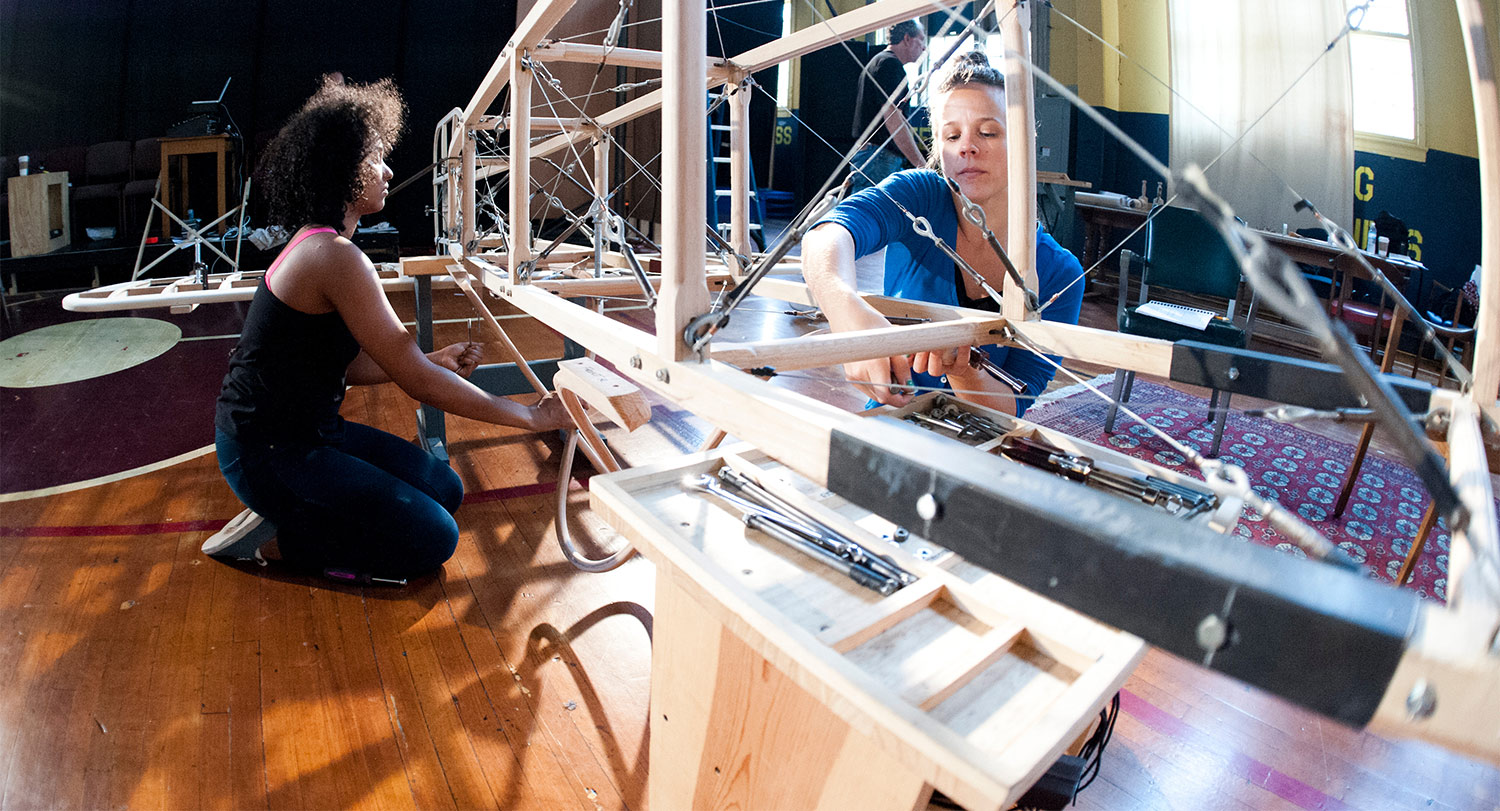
point(833, 30)
point(1482, 84)
point(787, 354)
point(1471, 585)
point(461, 278)
point(1446, 689)
point(684, 296)
point(467, 190)
point(1145, 355)
point(555, 51)
point(1150, 356)
point(796, 292)
point(614, 396)
point(852, 24)
point(553, 124)
point(1020, 136)
point(520, 175)
point(739, 169)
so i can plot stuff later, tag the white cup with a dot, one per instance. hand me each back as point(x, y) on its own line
point(25, 161)
point(1383, 246)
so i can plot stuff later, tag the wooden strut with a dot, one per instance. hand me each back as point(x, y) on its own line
point(797, 430)
point(461, 278)
point(1449, 654)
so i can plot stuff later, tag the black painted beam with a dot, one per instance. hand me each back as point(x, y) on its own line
point(1322, 637)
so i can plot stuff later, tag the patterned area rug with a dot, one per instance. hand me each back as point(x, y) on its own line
point(1301, 470)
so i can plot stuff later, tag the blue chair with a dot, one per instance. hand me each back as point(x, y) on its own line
point(1184, 254)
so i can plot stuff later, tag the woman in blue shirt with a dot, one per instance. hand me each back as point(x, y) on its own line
point(968, 115)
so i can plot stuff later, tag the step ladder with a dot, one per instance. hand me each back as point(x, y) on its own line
point(718, 179)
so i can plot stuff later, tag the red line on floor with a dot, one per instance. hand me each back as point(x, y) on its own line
point(165, 527)
point(523, 490)
point(1248, 768)
point(113, 529)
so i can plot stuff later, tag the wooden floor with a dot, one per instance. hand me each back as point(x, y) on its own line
point(146, 675)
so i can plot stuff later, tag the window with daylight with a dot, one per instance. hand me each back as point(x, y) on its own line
point(1381, 61)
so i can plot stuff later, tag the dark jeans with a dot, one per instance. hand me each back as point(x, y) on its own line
point(872, 164)
point(372, 504)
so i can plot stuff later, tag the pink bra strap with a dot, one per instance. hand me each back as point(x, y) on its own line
point(288, 249)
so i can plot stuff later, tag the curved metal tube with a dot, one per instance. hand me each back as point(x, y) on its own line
point(560, 520)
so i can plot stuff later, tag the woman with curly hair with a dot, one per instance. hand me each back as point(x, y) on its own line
point(340, 497)
point(968, 125)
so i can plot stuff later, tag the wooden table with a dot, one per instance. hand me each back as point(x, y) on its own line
point(1319, 253)
point(39, 213)
point(1342, 268)
point(216, 145)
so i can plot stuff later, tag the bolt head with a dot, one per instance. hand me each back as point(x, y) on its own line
point(1422, 700)
point(635, 361)
point(927, 507)
point(1234, 373)
point(661, 374)
point(1213, 632)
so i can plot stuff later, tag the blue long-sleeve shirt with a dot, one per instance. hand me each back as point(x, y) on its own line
point(917, 269)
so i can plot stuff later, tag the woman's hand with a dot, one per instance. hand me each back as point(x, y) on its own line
point(828, 267)
point(548, 414)
point(882, 379)
point(461, 359)
point(941, 362)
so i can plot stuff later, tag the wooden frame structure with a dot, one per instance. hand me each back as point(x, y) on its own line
point(1446, 686)
point(1434, 672)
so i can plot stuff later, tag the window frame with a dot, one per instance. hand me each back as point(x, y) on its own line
point(1414, 149)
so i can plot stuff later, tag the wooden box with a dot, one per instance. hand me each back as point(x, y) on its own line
point(39, 213)
point(779, 682)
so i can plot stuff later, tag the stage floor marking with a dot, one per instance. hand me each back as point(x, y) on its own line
point(80, 350)
point(112, 477)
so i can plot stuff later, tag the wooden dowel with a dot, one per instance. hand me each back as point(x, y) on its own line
point(461, 278)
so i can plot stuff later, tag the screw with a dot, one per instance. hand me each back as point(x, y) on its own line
point(1213, 633)
point(661, 374)
point(1234, 373)
point(927, 507)
point(635, 361)
point(1421, 701)
point(900, 535)
point(1437, 421)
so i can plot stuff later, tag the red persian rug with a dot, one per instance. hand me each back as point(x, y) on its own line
point(1299, 469)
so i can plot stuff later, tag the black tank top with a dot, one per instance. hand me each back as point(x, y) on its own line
point(286, 376)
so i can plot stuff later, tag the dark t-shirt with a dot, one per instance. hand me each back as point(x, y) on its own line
point(880, 79)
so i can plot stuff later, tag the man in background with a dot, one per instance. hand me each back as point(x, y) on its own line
point(877, 99)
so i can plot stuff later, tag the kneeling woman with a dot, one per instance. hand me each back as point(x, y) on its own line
point(968, 121)
point(341, 496)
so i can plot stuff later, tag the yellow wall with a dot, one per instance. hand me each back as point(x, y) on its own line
point(1447, 101)
point(1143, 35)
point(1103, 77)
point(1139, 28)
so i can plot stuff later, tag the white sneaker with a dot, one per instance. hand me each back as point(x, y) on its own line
point(241, 538)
